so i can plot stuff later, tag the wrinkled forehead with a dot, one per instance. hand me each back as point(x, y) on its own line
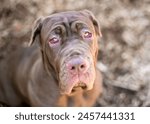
point(66, 18)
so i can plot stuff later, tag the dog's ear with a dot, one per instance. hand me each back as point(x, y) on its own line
point(36, 31)
point(95, 22)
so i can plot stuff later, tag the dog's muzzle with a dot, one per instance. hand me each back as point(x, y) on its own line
point(77, 71)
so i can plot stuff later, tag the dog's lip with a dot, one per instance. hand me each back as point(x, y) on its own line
point(77, 87)
point(72, 86)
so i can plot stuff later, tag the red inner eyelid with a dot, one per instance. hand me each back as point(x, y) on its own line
point(54, 40)
point(87, 34)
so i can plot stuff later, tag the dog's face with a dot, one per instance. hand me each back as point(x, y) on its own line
point(69, 44)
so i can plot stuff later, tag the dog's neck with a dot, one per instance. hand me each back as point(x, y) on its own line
point(44, 80)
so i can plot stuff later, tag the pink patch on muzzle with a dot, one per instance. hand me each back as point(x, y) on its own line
point(78, 75)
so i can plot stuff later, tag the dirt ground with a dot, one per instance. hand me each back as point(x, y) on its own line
point(124, 54)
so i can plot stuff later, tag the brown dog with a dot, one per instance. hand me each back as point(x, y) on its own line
point(58, 71)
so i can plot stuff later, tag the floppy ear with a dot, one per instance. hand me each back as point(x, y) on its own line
point(36, 31)
point(95, 22)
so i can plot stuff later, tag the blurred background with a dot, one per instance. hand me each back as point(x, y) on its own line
point(124, 54)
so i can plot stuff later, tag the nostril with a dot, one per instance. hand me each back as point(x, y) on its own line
point(73, 68)
point(82, 66)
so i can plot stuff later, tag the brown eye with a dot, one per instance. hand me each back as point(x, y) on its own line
point(87, 35)
point(54, 41)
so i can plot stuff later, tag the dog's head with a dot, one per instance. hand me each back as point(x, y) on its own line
point(69, 45)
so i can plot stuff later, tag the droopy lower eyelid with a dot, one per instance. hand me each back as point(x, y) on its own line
point(86, 34)
point(54, 40)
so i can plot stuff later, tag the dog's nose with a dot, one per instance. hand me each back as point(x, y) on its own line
point(77, 66)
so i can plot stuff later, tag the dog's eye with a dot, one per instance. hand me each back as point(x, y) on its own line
point(87, 35)
point(54, 41)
